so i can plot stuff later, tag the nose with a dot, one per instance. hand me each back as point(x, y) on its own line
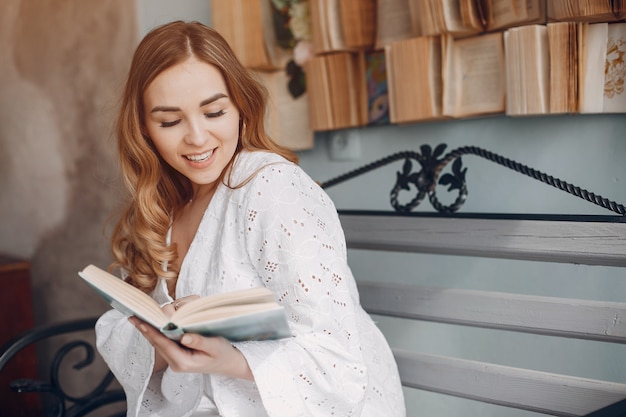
point(196, 134)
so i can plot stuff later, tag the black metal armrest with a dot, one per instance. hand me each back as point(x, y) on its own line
point(62, 403)
point(615, 410)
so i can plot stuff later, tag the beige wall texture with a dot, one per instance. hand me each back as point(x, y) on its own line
point(62, 65)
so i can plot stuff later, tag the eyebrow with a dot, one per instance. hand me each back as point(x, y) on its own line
point(204, 102)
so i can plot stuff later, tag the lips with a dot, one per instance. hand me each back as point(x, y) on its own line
point(199, 157)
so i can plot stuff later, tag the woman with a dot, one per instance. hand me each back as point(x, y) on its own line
point(216, 206)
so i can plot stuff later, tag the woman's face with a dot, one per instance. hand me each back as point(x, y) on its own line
point(192, 121)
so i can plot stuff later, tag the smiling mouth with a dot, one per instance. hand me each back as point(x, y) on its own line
point(200, 157)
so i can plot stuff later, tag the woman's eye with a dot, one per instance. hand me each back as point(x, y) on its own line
point(216, 114)
point(170, 124)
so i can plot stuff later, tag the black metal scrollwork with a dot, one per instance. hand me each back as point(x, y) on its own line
point(432, 164)
point(64, 403)
point(425, 180)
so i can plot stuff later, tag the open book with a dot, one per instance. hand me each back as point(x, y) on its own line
point(250, 314)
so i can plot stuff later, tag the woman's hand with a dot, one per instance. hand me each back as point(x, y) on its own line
point(198, 354)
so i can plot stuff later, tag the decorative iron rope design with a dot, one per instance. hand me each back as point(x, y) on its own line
point(427, 178)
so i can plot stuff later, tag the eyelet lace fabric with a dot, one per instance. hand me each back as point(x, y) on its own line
point(279, 230)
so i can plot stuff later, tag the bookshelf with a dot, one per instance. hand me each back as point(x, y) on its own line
point(379, 62)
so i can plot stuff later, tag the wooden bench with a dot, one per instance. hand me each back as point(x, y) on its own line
point(581, 240)
point(461, 240)
point(594, 240)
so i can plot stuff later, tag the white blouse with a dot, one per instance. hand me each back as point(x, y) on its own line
point(279, 230)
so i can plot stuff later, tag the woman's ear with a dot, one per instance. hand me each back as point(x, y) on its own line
point(144, 132)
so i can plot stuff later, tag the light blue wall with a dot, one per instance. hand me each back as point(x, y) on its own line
point(155, 12)
point(587, 151)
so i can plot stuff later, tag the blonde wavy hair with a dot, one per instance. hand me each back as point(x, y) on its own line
point(157, 191)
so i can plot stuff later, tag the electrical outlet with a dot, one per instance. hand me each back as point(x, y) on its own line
point(345, 145)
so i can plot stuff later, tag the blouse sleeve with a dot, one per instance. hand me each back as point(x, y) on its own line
point(131, 359)
point(294, 239)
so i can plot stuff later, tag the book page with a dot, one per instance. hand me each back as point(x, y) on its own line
point(436, 78)
point(451, 10)
point(333, 19)
point(318, 92)
point(470, 14)
point(458, 18)
point(527, 70)
point(479, 75)
point(581, 10)
point(615, 69)
point(506, 13)
point(414, 79)
point(394, 22)
point(123, 296)
point(221, 312)
point(236, 300)
point(429, 18)
point(358, 23)
point(535, 10)
point(391, 84)
point(619, 9)
point(563, 66)
point(594, 41)
point(448, 67)
point(250, 314)
point(319, 26)
point(503, 12)
point(339, 88)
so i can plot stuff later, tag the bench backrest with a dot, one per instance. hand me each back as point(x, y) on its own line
point(591, 240)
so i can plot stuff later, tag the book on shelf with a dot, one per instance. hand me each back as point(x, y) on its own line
point(602, 73)
point(287, 118)
point(585, 10)
point(342, 25)
point(455, 17)
point(563, 50)
point(248, 27)
point(527, 70)
point(619, 9)
point(414, 78)
point(337, 91)
point(503, 14)
point(358, 23)
point(474, 75)
point(394, 22)
point(250, 314)
point(403, 19)
point(566, 67)
point(435, 77)
point(377, 89)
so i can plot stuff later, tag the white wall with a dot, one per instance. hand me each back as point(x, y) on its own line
point(587, 151)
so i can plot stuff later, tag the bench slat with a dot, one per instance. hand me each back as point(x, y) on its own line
point(591, 243)
point(582, 319)
point(523, 389)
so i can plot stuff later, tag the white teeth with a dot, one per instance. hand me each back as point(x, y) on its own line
point(199, 158)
